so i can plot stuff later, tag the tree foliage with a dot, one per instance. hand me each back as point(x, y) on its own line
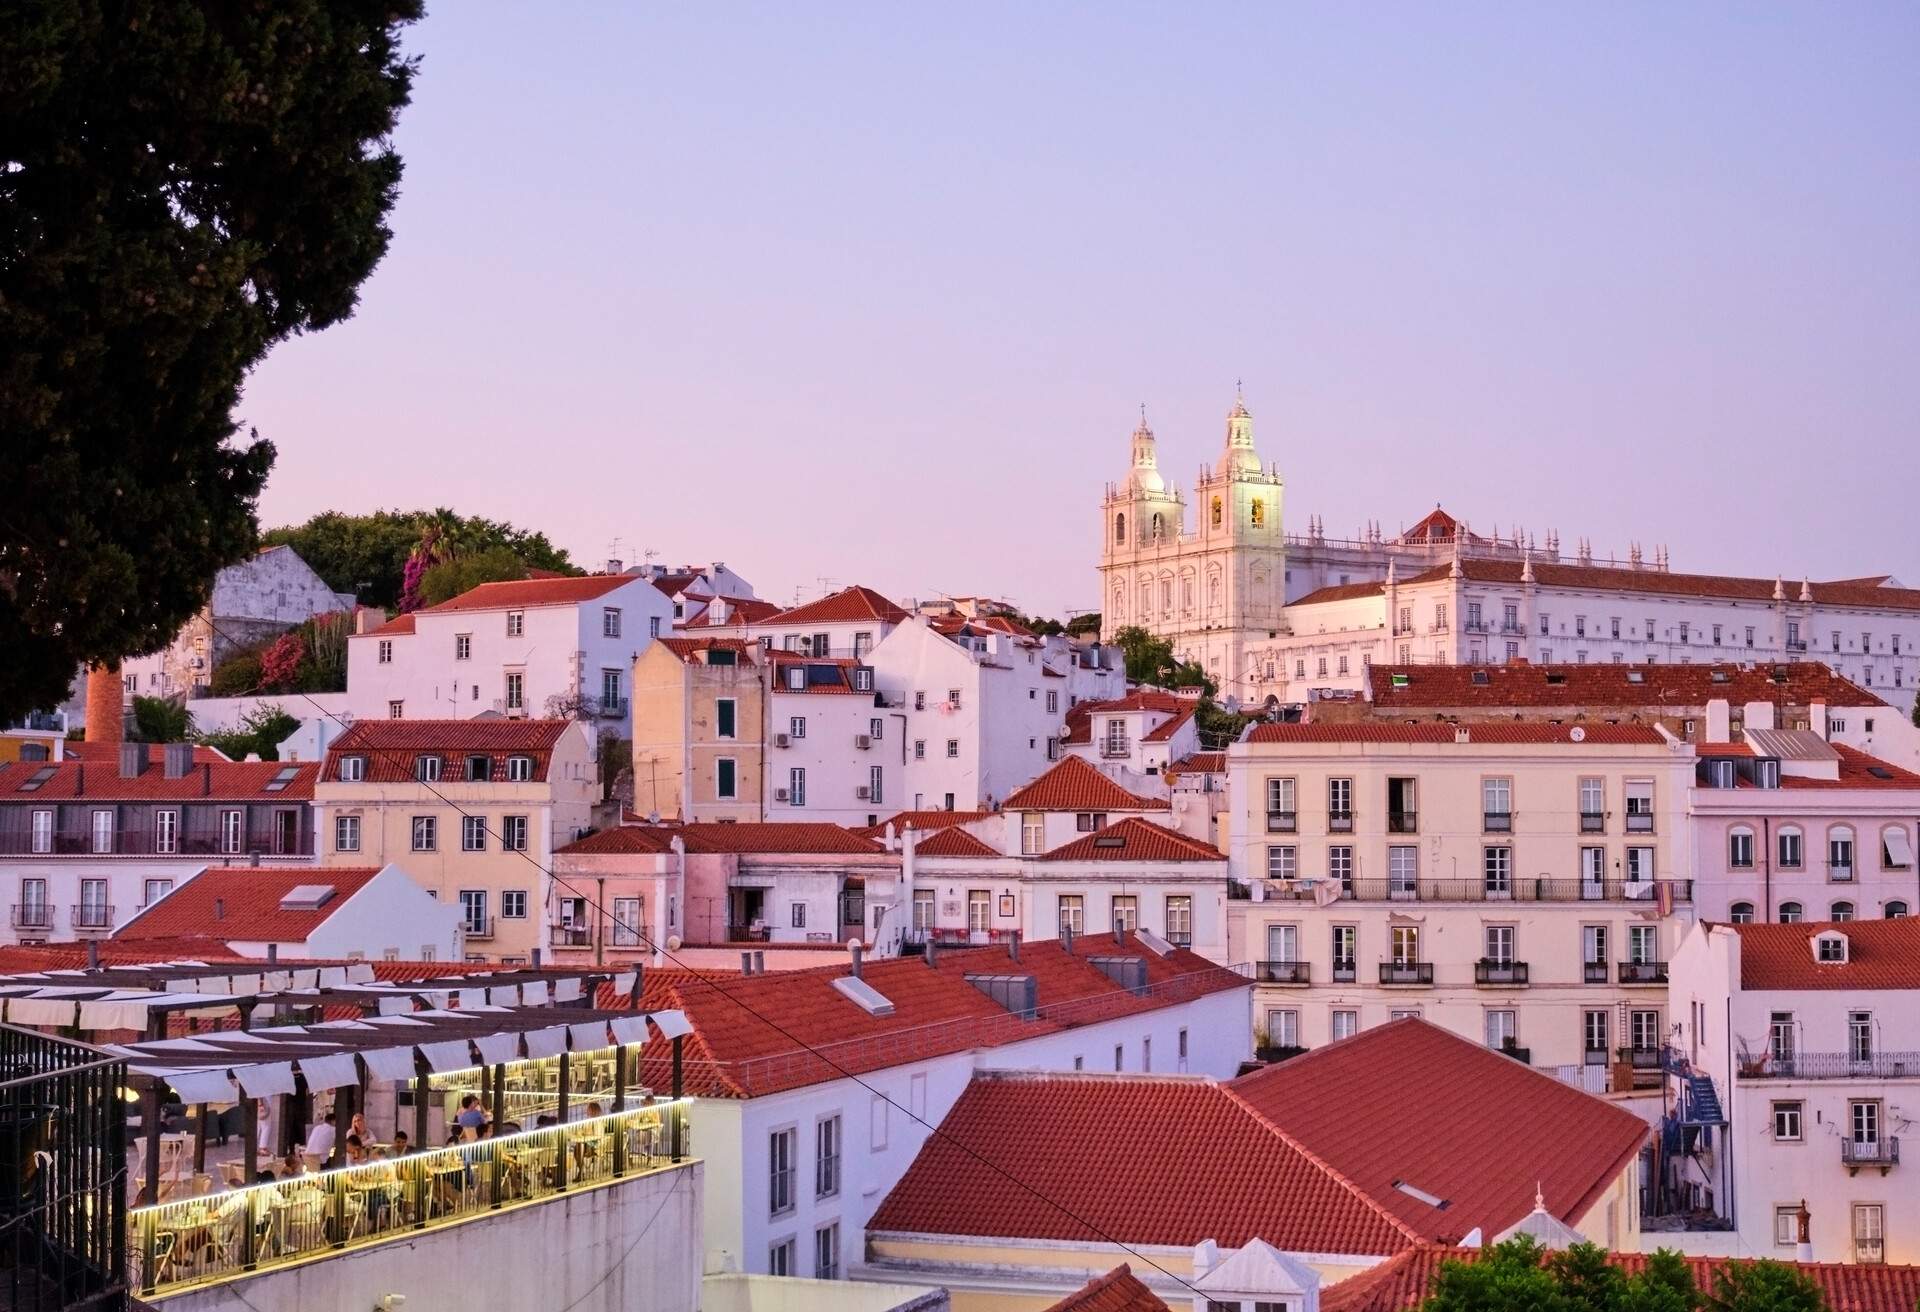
point(260, 733)
point(1150, 659)
point(1520, 1276)
point(310, 657)
point(161, 720)
point(450, 578)
point(1085, 625)
point(182, 186)
point(367, 554)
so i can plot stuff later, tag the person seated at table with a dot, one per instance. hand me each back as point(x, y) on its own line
point(472, 1115)
point(263, 1177)
point(358, 1126)
point(385, 1186)
point(586, 1150)
point(402, 1145)
point(356, 1151)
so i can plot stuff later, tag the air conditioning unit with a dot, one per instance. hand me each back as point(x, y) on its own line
point(780, 794)
point(863, 741)
point(863, 792)
point(780, 740)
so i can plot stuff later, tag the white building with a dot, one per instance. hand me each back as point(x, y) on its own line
point(1136, 736)
point(799, 1155)
point(531, 647)
point(1799, 1069)
point(850, 623)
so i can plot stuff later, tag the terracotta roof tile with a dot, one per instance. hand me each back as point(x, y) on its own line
point(1517, 732)
point(1881, 954)
point(524, 594)
point(1339, 592)
point(1403, 1282)
point(847, 606)
point(1074, 785)
point(1134, 839)
point(824, 675)
point(397, 627)
point(1079, 717)
point(99, 781)
point(250, 898)
point(774, 837)
point(22, 959)
point(1166, 729)
point(1603, 578)
point(745, 651)
point(1051, 1181)
point(392, 747)
point(630, 839)
point(1639, 687)
point(1347, 1102)
point(953, 841)
point(108, 754)
point(1198, 763)
point(1857, 770)
point(740, 610)
point(1119, 1290)
point(924, 820)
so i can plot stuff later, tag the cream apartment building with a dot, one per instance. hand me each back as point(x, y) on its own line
point(472, 810)
point(1520, 884)
point(700, 729)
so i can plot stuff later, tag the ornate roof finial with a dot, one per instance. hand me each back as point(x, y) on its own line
point(1539, 1198)
point(1779, 587)
point(1806, 589)
point(1455, 571)
point(1526, 565)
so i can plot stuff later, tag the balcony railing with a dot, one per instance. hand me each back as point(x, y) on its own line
point(1340, 822)
point(144, 842)
point(1497, 822)
point(1642, 1059)
point(1593, 972)
point(1499, 972)
point(612, 708)
point(1403, 822)
point(570, 936)
point(1345, 970)
point(1282, 822)
point(1475, 626)
point(1543, 889)
point(1831, 1066)
point(1115, 748)
point(1882, 1153)
point(310, 1217)
point(1840, 873)
point(1593, 822)
point(1643, 972)
point(1406, 972)
point(32, 915)
point(92, 916)
point(1639, 822)
point(1281, 972)
point(479, 927)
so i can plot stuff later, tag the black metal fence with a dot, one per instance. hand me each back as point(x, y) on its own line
point(63, 1154)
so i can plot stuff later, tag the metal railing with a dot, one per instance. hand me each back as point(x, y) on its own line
point(1406, 972)
point(1113, 748)
point(1497, 822)
point(92, 916)
point(1542, 889)
point(286, 1222)
point(147, 842)
point(1643, 972)
point(1639, 822)
point(1282, 822)
point(1281, 972)
point(1403, 822)
point(1593, 822)
point(1499, 972)
point(1831, 1066)
point(32, 915)
point(1593, 972)
point(1345, 970)
point(1879, 1152)
point(478, 927)
point(570, 936)
point(1340, 822)
point(63, 1131)
point(1840, 872)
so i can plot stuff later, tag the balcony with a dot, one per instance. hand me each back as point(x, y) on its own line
point(1403, 822)
point(1830, 1066)
point(1514, 629)
point(569, 936)
point(32, 915)
point(1281, 822)
point(613, 708)
point(1403, 630)
point(1543, 889)
point(1643, 972)
point(1883, 1154)
point(1115, 749)
point(1641, 1059)
point(1593, 822)
point(479, 928)
point(1497, 822)
point(1272, 1052)
point(1440, 627)
point(92, 918)
point(1639, 822)
point(1593, 972)
point(1489, 972)
point(1345, 970)
point(1796, 644)
point(144, 842)
point(1406, 972)
point(1475, 626)
point(1839, 873)
point(1339, 822)
point(1281, 972)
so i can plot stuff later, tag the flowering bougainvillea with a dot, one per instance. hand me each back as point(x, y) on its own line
point(280, 662)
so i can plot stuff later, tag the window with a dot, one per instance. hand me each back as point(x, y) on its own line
point(513, 904)
point(1643, 944)
point(1896, 849)
point(1503, 1028)
point(1639, 806)
point(799, 914)
point(826, 1252)
point(1741, 913)
point(979, 910)
point(1593, 804)
point(1119, 1057)
point(152, 890)
point(166, 831)
point(1499, 944)
point(876, 728)
point(1340, 866)
point(1839, 911)
point(725, 779)
point(462, 646)
point(1860, 1036)
point(1863, 1118)
point(1405, 943)
point(1639, 865)
point(653, 626)
point(610, 621)
point(1593, 1030)
point(610, 692)
point(1280, 805)
point(1283, 1028)
point(1740, 848)
point(427, 769)
point(1072, 913)
point(1786, 1122)
point(1345, 1023)
point(1033, 829)
point(1496, 804)
point(953, 748)
point(385, 653)
point(1180, 919)
point(103, 831)
point(1498, 868)
point(1840, 852)
point(1546, 625)
point(516, 623)
point(513, 833)
point(516, 691)
point(346, 833)
point(1896, 910)
point(1593, 945)
point(233, 831)
point(780, 1259)
point(473, 833)
point(1403, 868)
point(781, 1147)
point(1346, 945)
point(826, 1157)
point(1792, 849)
point(1126, 913)
point(43, 831)
point(1340, 805)
point(1282, 861)
point(473, 909)
point(1790, 913)
point(426, 833)
point(1283, 943)
point(1869, 1233)
point(797, 786)
point(919, 749)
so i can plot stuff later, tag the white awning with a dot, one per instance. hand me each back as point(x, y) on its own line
point(40, 1011)
point(534, 993)
point(509, 996)
point(589, 1035)
point(672, 1024)
point(471, 998)
point(496, 1049)
point(266, 1078)
point(1898, 848)
point(629, 1029)
point(201, 1086)
point(331, 1072)
point(546, 1043)
point(453, 1055)
point(390, 1063)
point(113, 1015)
point(566, 990)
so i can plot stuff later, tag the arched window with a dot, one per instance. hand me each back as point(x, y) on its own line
point(1218, 512)
point(1840, 852)
point(1896, 910)
point(1120, 528)
point(1159, 526)
point(1789, 913)
point(1840, 911)
point(1896, 848)
point(1792, 848)
point(1166, 595)
point(1146, 598)
point(1259, 512)
point(1740, 848)
point(1740, 913)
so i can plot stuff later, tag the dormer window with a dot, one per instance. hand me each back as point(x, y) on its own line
point(353, 769)
point(519, 769)
point(1766, 773)
point(426, 769)
point(1720, 774)
point(863, 678)
point(479, 768)
point(797, 678)
point(1830, 949)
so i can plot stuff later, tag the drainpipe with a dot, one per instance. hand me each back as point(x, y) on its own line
point(1766, 866)
point(600, 920)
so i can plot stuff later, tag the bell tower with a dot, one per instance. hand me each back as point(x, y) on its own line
point(1142, 524)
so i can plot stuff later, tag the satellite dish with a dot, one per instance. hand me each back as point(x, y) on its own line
point(673, 942)
point(1578, 734)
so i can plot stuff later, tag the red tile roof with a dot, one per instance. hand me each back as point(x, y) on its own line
point(627, 839)
point(1614, 579)
point(953, 841)
point(1134, 839)
point(1638, 687)
point(1704, 750)
point(1053, 1181)
point(1857, 770)
point(1166, 729)
point(745, 651)
point(100, 781)
point(1403, 1282)
point(250, 898)
point(1074, 785)
point(924, 820)
point(740, 610)
point(392, 747)
point(774, 837)
point(525, 594)
point(1339, 592)
point(847, 606)
point(18, 959)
point(1198, 763)
point(1079, 718)
point(829, 675)
point(398, 626)
point(1517, 732)
point(1881, 954)
point(737, 1051)
point(108, 754)
point(1460, 1139)
point(1119, 1290)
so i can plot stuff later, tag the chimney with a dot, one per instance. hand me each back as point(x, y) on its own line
point(1803, 1252)
point(1066, 939)
point(206, 779)
point(759, 962)
point(746, 964)
point(176, 759)
point(1013, 946)
point(854, 949)
point(933, 951)
point(1719, 720)
point(615, 565)
point(106, 721)
point(93, 954)
point(273, 952)
point(133, 760)
point(219, 908)
point(1817, 717)
point(253, 858)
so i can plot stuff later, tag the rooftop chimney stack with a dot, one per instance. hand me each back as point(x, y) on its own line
point(1066, 939)
point(854, 950)
point(1013, 946)
point(93, 954)
point(106, 721)
point(133, 760)
point(176, 759)
point(933, 951)
point(759, 962)
point(746, 964)
point(219, 908)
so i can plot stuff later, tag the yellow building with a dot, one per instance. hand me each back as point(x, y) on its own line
point(472, 810)
point(39, 736)
point(699, 729)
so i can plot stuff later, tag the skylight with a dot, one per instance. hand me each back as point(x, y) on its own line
point(1636, 676)
point(36, 779)
point(1414, 1191)
point(282, 777)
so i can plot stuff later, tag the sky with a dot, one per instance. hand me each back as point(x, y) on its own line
point(874, 293)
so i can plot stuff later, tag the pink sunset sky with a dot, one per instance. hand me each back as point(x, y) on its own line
point(874, 294)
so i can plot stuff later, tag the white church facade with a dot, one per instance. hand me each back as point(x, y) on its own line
point(1276, 618)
